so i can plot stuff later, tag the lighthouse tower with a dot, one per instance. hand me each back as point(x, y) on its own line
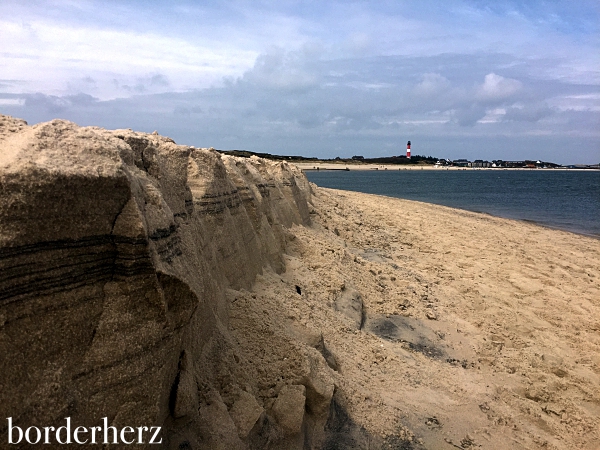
point(408, 150)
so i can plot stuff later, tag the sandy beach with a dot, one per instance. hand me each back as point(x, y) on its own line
point(477, 332)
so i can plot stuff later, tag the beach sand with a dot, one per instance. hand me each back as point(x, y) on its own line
point(448, 329)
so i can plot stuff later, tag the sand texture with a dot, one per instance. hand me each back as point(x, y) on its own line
point(477, 332)
point(237, 306)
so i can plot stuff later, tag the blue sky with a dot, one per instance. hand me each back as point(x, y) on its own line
point(460, 79)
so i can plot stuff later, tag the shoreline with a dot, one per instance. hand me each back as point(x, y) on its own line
point(581, 231)
point(388, 167)
point(458, 210)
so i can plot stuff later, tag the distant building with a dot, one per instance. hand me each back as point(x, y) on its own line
point(358, 157)
point(461, 162)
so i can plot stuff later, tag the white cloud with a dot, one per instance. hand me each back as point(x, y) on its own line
point(493, 116)
point(49, 57)
point(496, 87)
point(581, 102)
point(282, 70)
point(12, 101)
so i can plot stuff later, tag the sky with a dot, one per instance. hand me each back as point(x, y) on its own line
point(471, 79)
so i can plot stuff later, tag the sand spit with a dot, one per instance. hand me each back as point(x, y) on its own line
point(369, 166)
point(237, 306)
point(318, 165)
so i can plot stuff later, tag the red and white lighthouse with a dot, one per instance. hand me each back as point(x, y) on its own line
point(408, 150)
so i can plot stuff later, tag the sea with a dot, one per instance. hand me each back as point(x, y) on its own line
point(563, 199)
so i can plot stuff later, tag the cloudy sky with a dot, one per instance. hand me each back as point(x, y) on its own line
point(469, 79)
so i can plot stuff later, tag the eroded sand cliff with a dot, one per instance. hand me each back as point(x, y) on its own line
point(116, 252)
point(237, 306)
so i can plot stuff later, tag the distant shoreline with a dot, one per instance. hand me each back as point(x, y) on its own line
point(540, 196)
point(369, 166)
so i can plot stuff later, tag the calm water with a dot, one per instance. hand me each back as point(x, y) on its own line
point(559, 199)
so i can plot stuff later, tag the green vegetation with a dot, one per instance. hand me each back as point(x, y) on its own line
point(415, 159)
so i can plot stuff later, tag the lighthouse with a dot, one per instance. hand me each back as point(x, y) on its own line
point(408, 150)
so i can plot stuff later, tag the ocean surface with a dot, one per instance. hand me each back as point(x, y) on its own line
point(567, 200)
